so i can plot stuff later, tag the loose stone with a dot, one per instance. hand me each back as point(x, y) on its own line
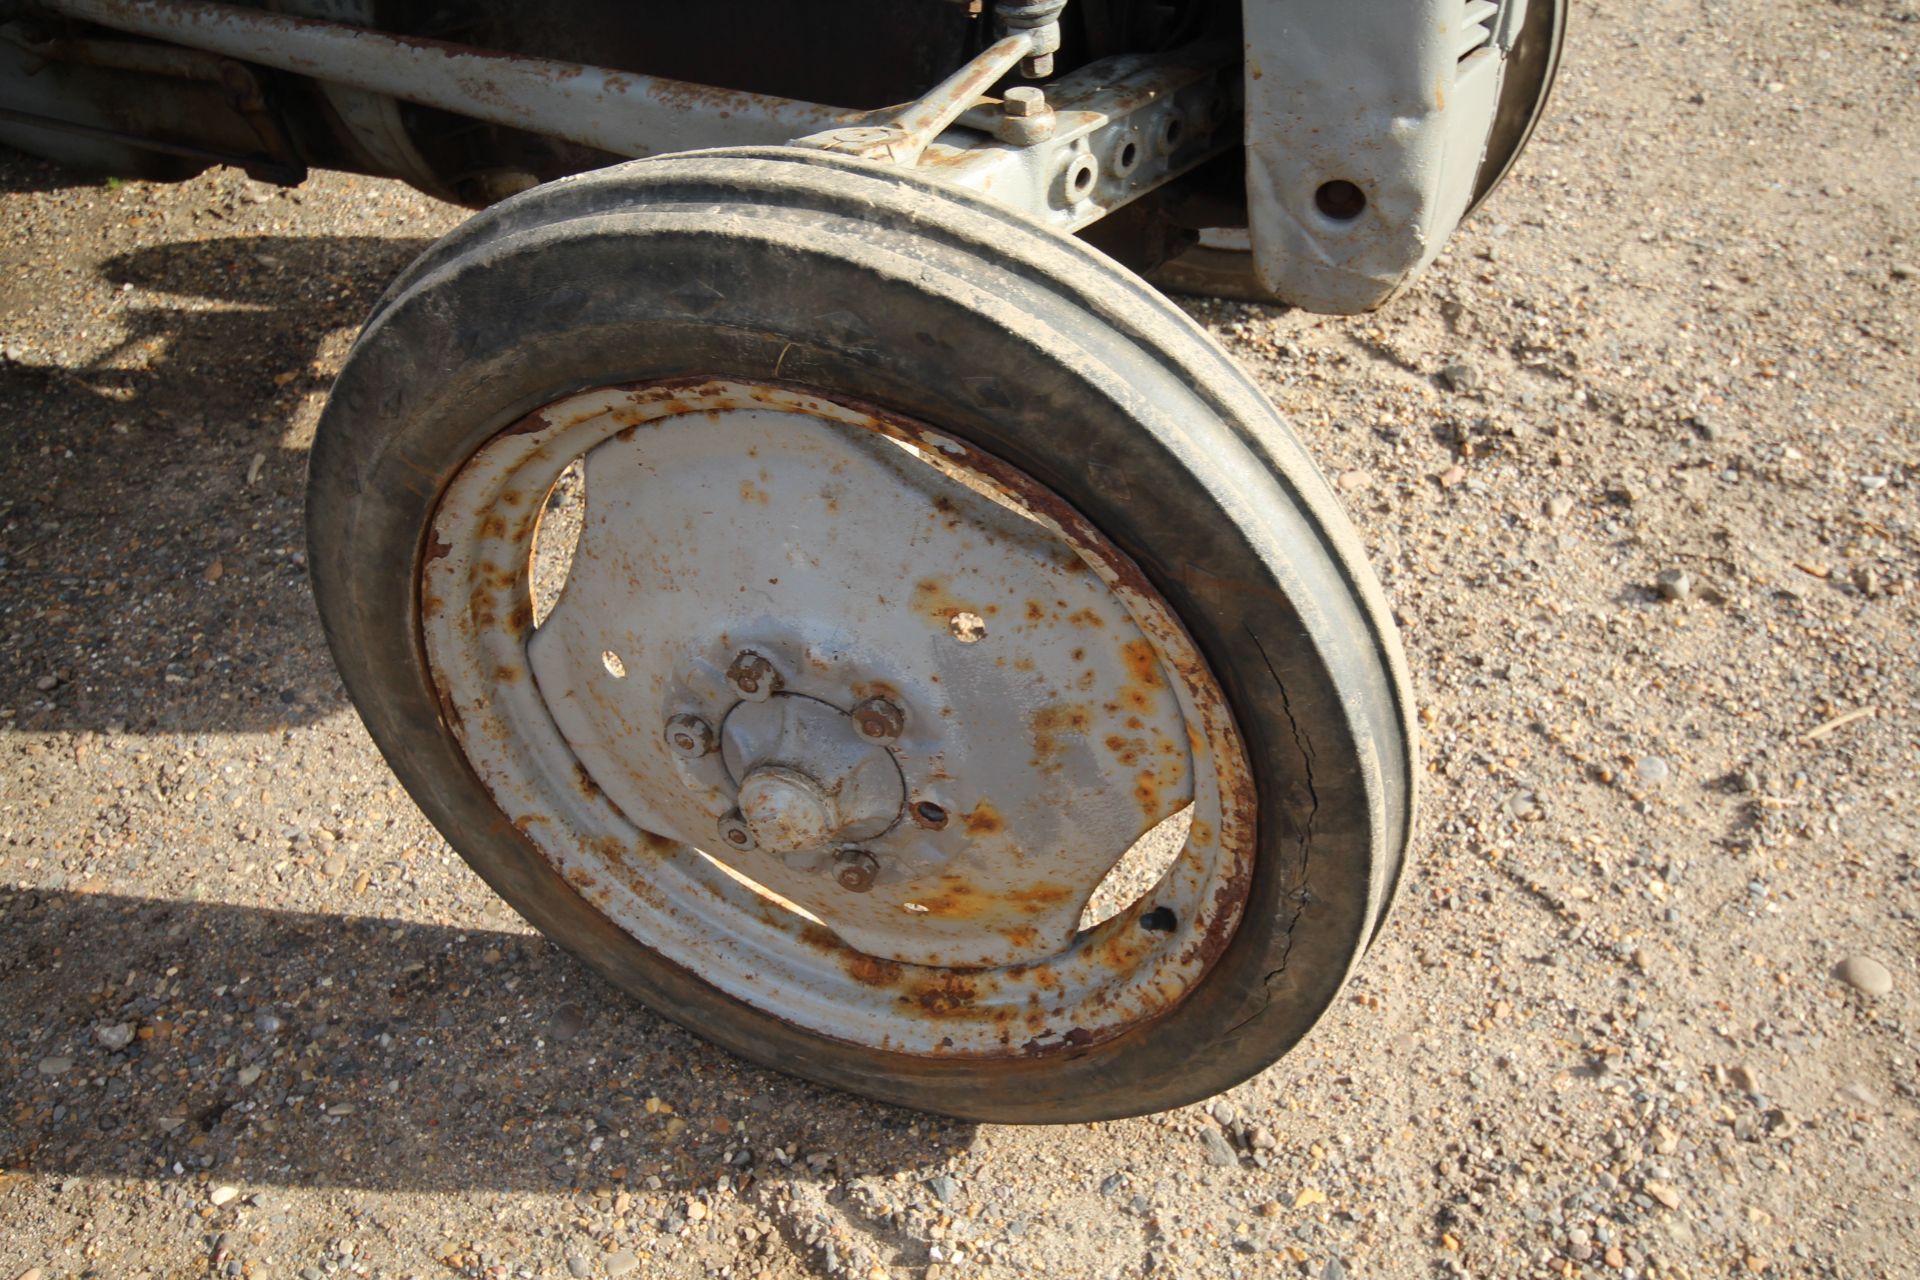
point(1865, 974)
point(568, 1020)
point(1215, 1150)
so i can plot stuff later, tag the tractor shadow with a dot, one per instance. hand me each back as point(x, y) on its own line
point(296, 1049)
point(152, 549)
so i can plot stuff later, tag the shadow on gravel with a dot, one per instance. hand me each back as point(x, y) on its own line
point(21, 173)
point(152, 555)
point(285, 1048)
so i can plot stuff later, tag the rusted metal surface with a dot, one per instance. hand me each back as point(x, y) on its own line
point(622, 113)
point(1039, 20)
point(159, 99)
point(1117, 130)
point(840, 543)
point(902, 139)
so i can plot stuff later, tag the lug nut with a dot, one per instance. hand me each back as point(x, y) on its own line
point(753, 677)
point(857, 870)
point(879, 721)
point(734, 830)
point(690, 737)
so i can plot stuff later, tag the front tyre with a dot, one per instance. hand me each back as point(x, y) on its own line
point(928, 563)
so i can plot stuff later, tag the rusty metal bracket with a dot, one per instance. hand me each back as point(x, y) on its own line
point(1031, 37)
point(1105, 135)
point(1070, 153)
point(907, 135)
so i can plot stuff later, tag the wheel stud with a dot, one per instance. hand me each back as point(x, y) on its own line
point(879, 721)
point(734, 830)
point(857, 870)
point(753, 677)
point(690, 737)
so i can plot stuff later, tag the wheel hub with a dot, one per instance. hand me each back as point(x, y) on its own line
point(807, 778)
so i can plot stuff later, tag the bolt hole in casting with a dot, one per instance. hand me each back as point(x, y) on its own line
point(1082, 173)
point(1340, 200)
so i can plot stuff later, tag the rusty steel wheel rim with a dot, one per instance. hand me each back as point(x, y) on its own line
point(841, 714)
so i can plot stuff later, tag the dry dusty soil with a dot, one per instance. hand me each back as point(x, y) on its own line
point(1638, 463)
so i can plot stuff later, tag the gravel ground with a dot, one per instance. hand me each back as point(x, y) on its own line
point(1637, 462)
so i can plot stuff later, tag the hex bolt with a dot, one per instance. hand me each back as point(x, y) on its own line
point(689, 737)
point(857, 870)
point(753, 677)
point(734, 830)
point(1023, 101)
point(879, 721)
point(1025, 117)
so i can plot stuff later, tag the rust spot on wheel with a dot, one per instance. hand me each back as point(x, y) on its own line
point(1037, 899)
point(480, 606)
point(1142, 664)
point(944, 995)
point(872, 971)
point(533, 422)
point(1055, 721)
point(957, 900)
point(821, 939)
point(983, 820)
